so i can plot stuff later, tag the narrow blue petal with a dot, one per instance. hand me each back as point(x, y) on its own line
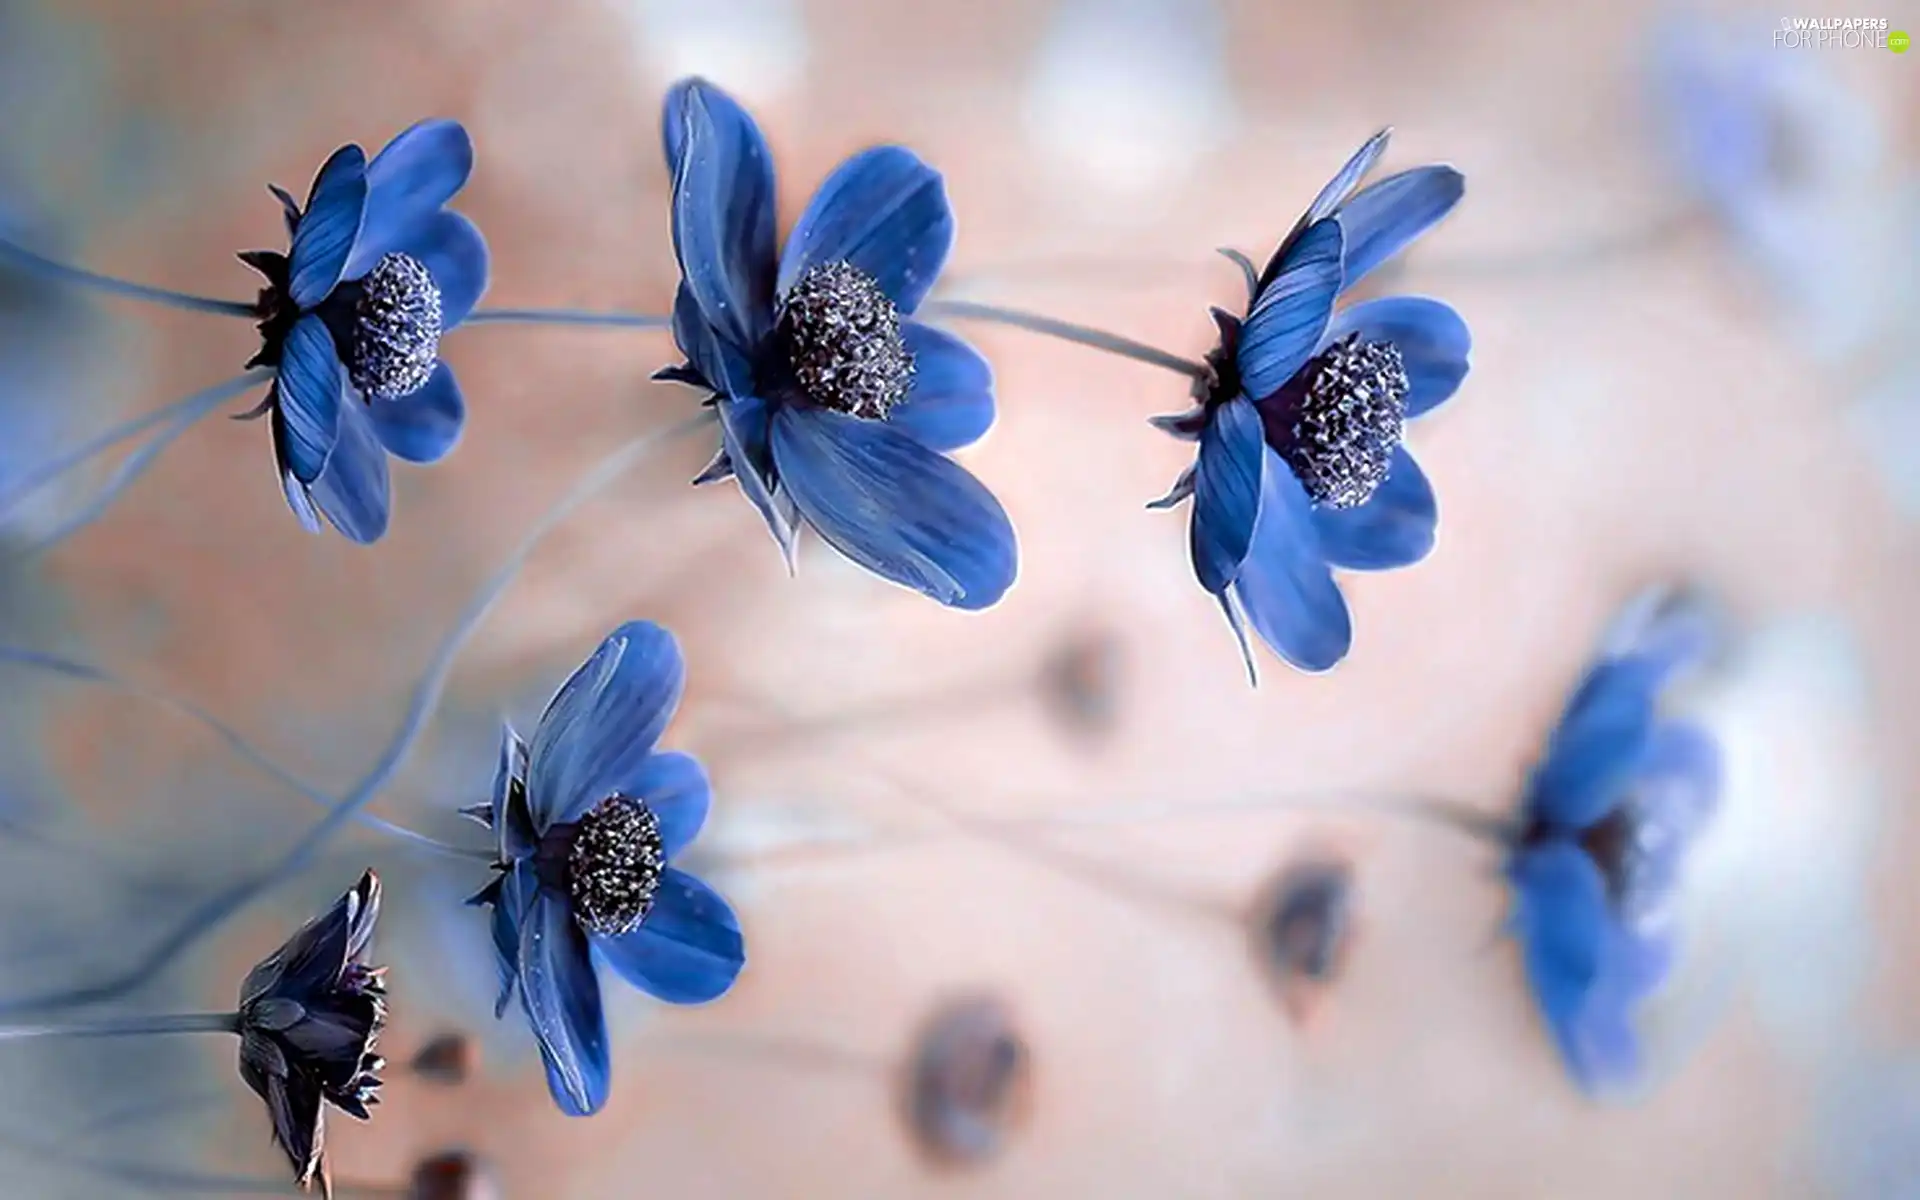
point(1684, 762)
point(723, 213)
point(1285, 325)
point(689, 949)
point(1182, 488)
point(1226, 493)
point(1284, 586)
point(513, 898)
point(722, 369)
point(425, 426)
point(1565, 931)
point(512, 823)
point(951, 404)
point(1598, 748)
point(1341, 187)
point(895, 507)
point(745, 433)
point(329, 229)
point(885, 212)
point(355, 491)
point(309, 385)
point(408, 182)
point(1380, 221)
point(1667, 630)
point(1394, 528)
point(297, 498)
point(562, 998)
point(455, 254)
point(675, 787)
point(1432, 339)
point(601, 726)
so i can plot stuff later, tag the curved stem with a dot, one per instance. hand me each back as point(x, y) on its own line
point(128, 1027)
point(1067, 331)
point(567, 316)
point(46, 268)
point(426, 698)
point(73, 669)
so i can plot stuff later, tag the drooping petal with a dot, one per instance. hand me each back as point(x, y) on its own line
point(600, 727)
point(408, 182)
point(425, 426)
point(562, 998)
point(721, 368)
point(309, 385)
point(883, 211)
point(1566, 931)
point(1667, 629)
point(688, 950)
point(1226, 493)
point(1593, 755)
point(1285, 324)
point(355, 491)
point(455, 253)
point(900, 510)
point(675, 787)
point(512, 823)
point(330, 227)
point(1394, 528)
point(951, 404)
point(512, 896)
point(745, 438)
point(296, 492)
point(723, 214)
point(1432, 339)
point(1381, 220)
point(1284, 586)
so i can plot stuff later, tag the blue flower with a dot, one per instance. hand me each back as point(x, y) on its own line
point(1609, 814)
point(1301, 466)
point(588, 818)
point(836, 407)
point(351, 320)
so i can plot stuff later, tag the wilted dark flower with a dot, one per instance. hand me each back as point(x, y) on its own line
point(351, 320)
point(1302, 465)
point(589, 818)
point(1301, 931)
point(308, 1020)
point(453, 1175)
point(835, 406)
point(968, 1081)
point(1609, 813)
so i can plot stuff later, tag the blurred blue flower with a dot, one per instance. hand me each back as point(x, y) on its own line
point(836, 407)
point(378, 269)
point(588, 818)
point(1609, 813)
point(1301, 464)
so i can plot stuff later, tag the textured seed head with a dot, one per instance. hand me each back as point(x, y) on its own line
point(843, 339)
point(1339, 431)
point(614, 866)
point(396, 329)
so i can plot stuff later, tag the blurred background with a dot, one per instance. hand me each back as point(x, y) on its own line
point(1688, 258)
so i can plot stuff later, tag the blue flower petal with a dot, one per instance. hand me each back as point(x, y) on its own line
point(602, 724)
point(296, 494)
point(689, 949)
point(722, 368)
point(723, 214)
point(1568, 942)
point(1284, 586)
point(885, 212)
point(408, 182)
point(422, 427)
point(745, 433)
point(1226, 493)
point(309, 385)
point(355, 491)
point(951, 404)
point(329, 229)
point(455, 254)
point(895, 507)
point(1286, 323)
point(512, 900)
point(562, 998)
point(675, 787)
point(1432, 339)
point(512, 823)
point(1380, 221)
point(1394, 528)
point(1341, 187)
point(1595, 753)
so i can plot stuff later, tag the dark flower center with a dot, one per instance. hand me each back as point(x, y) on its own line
point(1623, 846)
point(1341, 419)
point(614, 866)
point(843, 340)
point(396, 329)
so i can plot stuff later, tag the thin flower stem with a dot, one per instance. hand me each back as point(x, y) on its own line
point(426, 698)
point(567, 316)
point(81, 672)
point(176, 415)
point(46, 268)
point(127, 1027)
point(154, 1179)
point(1099, 339)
